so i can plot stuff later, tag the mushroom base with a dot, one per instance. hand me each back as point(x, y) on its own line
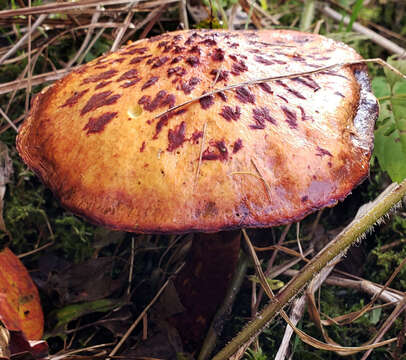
point(202, 283)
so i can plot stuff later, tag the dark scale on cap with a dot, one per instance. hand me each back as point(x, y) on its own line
point(339, 94)
point(74, 98)
point(208, 42)
point(261, 115)
point(280, 62)
point(163, 43)
point(222, 74)
point(176, 59)
point(177, 70)
point(195, 49)
point(117, 60)
point(96, 125)
point(220, 152)
point(292, 91)
point(130, 83)
point(291, 118)
point(244, 95)
point(218, 55)
point(178, 50)
point(159, 62)
point(176, 137)
point(332, 73)
point(193, 61)
point(303, 114)
point(128, 75)
point(196, 136)
point(234, 45)
point(99, 100)
point(150, 82)
point(150, 61)
point(307, 81)
point(164, 120)
point(238, 67)
point(158, 37)
point(162, 98)
point(133, 51)
point(102, 76)
point(222, 96)
point(265, 86)
point(102, 84)
point(262, 60)
point(206, 102)
point(168, 47)
point(138, 59)
point(190, 40)
point(142, 148)
point(188, 86)
point(321, 152)
point(283, 98)
point(229, 114)
point(237, 146)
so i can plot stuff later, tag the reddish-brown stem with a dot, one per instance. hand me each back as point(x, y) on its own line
point(202, 283)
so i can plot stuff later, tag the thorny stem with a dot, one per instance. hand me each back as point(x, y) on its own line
point(348, 236)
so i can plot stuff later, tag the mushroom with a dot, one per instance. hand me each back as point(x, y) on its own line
point(111, 144)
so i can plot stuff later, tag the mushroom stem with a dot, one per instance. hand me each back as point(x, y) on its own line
point(203, 281)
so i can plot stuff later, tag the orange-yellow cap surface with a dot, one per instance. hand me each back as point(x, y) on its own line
point(255, 156)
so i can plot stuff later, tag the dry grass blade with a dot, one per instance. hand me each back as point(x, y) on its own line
point(26, 36)
point(303, 336)
point(58, 7)
point(2, 113)
point(141, 316)
point(201, 153)
point(285, 76)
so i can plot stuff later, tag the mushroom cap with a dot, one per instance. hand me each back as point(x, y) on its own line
point(256, 156)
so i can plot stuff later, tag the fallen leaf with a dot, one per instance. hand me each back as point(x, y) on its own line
point(20, 307)
point(23, 349)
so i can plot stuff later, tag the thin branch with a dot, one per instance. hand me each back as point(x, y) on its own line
point(372, 35)
point(26, 36)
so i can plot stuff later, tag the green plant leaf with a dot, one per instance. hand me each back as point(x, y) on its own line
point(390, 134)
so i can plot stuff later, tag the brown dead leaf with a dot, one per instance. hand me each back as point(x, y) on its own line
point(20, 307)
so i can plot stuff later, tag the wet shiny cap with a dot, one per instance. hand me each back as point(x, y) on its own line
point(256, 156)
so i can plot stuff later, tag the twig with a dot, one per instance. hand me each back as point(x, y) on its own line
point(183, 14)
point(141, 316)
point(388, 295)
point(18, 44)
point(62, 7)
point(372, 35)
point(89, 33)
point(2, 113)
point(125, 26)
point(270, 265)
